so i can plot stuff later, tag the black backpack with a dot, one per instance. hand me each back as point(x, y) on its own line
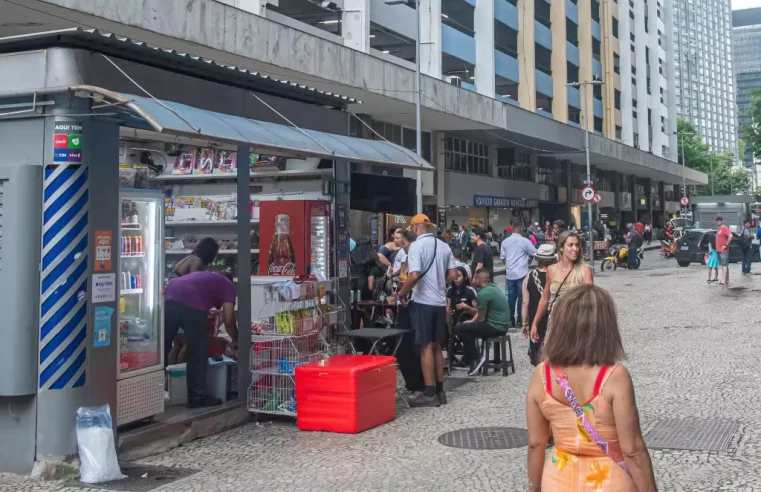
point(661, 234)
point(743, 241)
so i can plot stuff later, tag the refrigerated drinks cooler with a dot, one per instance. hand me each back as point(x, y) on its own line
point(294, 238)
point(140, 385)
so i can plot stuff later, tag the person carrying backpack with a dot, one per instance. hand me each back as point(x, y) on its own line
point(648, 233)
point(635, 242)
point(746, 246)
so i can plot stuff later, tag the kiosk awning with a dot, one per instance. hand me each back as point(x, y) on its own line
point(263, 137)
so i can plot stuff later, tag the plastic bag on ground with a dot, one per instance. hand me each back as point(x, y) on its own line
point(97, 449)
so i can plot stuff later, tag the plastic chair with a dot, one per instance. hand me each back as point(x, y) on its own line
point(507, 348)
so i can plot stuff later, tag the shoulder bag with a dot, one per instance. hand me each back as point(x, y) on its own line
point(433, 260)
point(562, 380)
point(554, 299)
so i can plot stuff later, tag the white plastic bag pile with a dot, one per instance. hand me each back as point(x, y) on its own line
point(97, 450)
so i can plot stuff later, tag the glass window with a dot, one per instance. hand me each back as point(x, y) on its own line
point(466, 156)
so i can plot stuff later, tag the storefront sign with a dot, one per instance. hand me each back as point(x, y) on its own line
point(504, 202)
point(342, 243)
point(103, 251)
point(103, 287)
point(102, 326)
point(67, 142)
point(374, 228)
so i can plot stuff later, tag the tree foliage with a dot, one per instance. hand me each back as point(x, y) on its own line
point(718, 166)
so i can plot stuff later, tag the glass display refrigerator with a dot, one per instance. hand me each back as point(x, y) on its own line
point(295, 238)
point(140, 385)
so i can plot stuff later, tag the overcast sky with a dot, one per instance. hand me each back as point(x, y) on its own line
point(745, 4)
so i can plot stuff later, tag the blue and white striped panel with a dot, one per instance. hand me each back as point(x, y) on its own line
point(63, 280)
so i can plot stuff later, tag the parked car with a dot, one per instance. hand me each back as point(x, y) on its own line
point(688, 248)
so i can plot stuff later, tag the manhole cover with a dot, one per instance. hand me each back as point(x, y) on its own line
point(139, 479)
point(691, 434)
point(486, 438)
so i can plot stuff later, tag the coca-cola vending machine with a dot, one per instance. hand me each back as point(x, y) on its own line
point(295, 238)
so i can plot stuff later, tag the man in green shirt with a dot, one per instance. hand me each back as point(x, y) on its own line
point(492, 319)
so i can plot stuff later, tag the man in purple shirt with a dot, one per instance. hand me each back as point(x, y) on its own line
point(187, 302)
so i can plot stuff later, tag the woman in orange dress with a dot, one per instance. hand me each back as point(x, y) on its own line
point(586, 400)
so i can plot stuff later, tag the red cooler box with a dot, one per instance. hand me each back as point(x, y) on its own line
point(346, 393)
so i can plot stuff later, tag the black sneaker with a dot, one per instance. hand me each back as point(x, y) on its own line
point(425, 401)
point(442, 398)
point(476, 366)
point(208, 401)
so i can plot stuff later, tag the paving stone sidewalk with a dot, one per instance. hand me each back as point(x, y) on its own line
point(692, 350)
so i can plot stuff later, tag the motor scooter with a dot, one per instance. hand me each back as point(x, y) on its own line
point(619, 255)
point(668, 248)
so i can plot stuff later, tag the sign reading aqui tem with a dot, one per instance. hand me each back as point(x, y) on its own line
point(103, 251)
point(504, 202)
point(67, 142)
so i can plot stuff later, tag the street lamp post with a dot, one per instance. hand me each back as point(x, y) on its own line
point(583, 86)
point(418, 131)
point(684, 164)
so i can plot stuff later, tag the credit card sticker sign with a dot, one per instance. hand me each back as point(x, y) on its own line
point(67, 142)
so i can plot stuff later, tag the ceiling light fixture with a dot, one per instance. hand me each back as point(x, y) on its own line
point(385, 52)
point(372, 36)
point(445, 16)
point(332, 21)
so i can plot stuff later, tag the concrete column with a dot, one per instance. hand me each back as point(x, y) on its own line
point(625, 25)
point(526, 55)
point(258, 7)
point(640, 62)
point(660, 139)
point(649, 193)
point(483, 20)
point(607, 47)
point(633, 191)
point(616, 191)
point(493, 161)
point(355, 25)
point(559, 62)
point(670, 92)
point(430, 37)
point(585, 62)
point(439, 162)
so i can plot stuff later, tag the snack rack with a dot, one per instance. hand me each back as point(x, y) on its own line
point(294, 325)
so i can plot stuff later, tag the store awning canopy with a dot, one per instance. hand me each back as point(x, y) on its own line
point(172, 118)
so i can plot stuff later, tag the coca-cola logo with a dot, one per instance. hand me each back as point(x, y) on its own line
point(289, 269)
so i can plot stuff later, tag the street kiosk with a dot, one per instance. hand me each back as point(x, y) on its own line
point(81, 259)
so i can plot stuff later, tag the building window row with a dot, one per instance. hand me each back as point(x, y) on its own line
point(514, 164)
point(466, 156)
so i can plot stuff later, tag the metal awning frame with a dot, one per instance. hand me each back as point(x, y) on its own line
point(110, 101)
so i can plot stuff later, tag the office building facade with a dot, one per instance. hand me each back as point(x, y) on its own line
point(746, 58)
point(526, 52)
point(704, 78)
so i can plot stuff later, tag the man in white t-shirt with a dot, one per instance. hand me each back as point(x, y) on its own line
point(430, 264)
